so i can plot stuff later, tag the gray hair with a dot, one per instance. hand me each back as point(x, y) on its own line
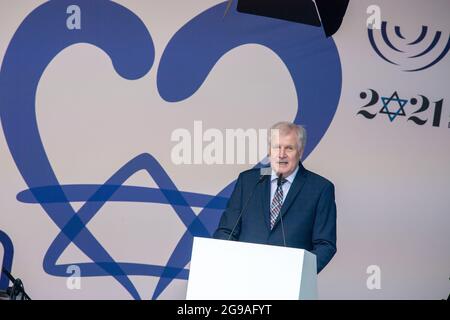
point(285, 127)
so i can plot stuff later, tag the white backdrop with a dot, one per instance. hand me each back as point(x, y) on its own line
point(392, 178)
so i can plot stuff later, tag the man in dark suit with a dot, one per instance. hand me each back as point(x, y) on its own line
point(292, 206)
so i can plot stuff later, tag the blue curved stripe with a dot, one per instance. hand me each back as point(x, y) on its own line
point(27, 56)
point(386, 38)
point(131, 269)
point(398, 33)
point(84, 192)
point(185, 64)
point(422, 35)
point(375, 48)
point(432, 63)
point(8, 254)
point(77, 226)
point(194, 50)
point(436, 38)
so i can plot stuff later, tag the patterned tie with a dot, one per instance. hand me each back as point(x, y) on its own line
point(277, 202)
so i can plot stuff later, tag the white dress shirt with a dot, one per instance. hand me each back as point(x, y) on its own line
point(286, 186)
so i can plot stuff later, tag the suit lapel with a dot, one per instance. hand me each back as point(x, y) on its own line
point(266, 201)
point(294, 190)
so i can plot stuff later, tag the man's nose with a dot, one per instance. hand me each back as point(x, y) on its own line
point(282, 153)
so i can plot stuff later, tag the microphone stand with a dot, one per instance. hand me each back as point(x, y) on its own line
point(261, 178)
point(279, 184)
point(17, 290)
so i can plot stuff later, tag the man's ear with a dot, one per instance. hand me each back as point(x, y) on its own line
point(301, 153)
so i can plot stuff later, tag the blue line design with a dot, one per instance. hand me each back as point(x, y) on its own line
point(186, 62)
point(386, 38)
point(374, 46)
point(8, 254)
point(436, 38)
point(398, 33)
point(28, 54)
point(432, 63)
point(419, 39)
point(198, 45)
point(122, 193)
point(78, 224)
point(422, 35)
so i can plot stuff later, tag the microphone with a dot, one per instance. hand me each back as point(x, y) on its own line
point(8, 275)
point(280, 179)
point(17, 290)
point(279, 185)
point(261, 178)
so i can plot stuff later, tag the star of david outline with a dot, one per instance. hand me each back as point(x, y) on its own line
point(391, 114)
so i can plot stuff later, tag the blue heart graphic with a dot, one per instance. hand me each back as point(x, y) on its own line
point(311, 59)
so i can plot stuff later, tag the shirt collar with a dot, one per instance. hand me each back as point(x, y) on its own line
point(289, 178)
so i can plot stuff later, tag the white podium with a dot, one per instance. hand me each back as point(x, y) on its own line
point(231, 270)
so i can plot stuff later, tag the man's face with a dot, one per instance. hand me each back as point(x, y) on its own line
point(284, 152)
